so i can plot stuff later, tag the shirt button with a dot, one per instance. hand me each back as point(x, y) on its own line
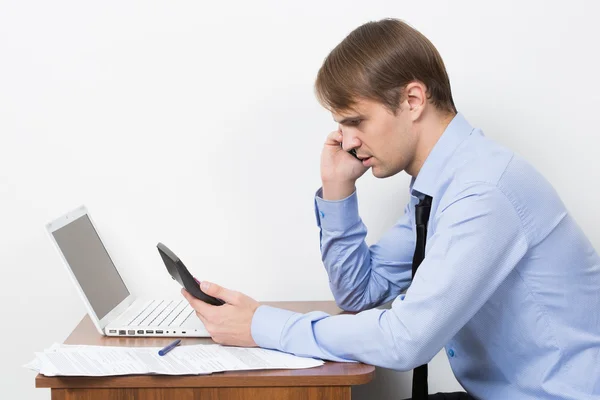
point(451, 353)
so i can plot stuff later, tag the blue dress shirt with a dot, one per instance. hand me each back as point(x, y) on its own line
point(510, 285)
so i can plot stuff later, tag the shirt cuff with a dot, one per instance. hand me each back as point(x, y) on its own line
point(267, 326)
point(336, 215)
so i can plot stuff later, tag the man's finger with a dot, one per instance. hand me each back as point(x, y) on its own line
point(334, 138)
point(212, 289)
point(197, 304)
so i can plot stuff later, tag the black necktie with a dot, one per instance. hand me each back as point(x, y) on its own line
point(419, 389)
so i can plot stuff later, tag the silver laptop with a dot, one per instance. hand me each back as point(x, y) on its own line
point(110, 304)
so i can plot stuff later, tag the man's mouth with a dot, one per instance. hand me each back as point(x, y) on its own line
point(365, 160)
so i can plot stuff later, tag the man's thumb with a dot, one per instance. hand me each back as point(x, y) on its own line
point(207, 287)
point(212, 289)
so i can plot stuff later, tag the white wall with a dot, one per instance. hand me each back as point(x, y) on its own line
point(100, 102)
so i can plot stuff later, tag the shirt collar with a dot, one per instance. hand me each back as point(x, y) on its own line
point(455, 133)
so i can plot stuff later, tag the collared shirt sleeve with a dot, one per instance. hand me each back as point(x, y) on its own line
point(478, 240)
point(360, 276)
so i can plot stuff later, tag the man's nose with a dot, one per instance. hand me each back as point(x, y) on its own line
point(349, 140)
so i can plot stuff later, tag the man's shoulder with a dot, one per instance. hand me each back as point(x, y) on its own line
point(478, 160)
point(482, 160)
point(488, 166)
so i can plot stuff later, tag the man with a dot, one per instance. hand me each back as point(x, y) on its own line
point(510, 286)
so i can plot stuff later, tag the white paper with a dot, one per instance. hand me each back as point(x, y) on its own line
point(68, 360)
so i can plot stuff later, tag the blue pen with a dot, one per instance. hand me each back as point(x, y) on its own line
point(169, 347)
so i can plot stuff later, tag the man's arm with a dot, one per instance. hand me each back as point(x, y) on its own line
point(362, 277)
point(478, 241)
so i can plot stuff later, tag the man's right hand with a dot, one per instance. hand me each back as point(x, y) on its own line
point(339, 169)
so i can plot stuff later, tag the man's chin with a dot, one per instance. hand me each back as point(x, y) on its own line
point(379, 173)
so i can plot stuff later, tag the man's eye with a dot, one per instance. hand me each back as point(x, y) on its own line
point(354, 122)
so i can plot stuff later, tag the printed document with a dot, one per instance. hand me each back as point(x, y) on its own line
point(77, 360)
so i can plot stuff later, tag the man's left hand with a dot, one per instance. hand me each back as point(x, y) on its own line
point(230, 323)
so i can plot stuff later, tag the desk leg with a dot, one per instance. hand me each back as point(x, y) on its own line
point(230, 393)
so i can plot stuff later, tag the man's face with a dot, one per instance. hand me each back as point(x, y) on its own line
point(375, 132)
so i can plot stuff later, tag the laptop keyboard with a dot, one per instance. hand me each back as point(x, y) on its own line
point(163, 313)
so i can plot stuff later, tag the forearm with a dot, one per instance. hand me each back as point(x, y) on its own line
point(375, 337)
point(348, 259)
point(337, 190)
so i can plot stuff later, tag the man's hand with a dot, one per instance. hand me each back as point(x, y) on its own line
point(230, 323)
point(339, 170)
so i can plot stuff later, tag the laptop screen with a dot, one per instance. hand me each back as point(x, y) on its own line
point(93, 268)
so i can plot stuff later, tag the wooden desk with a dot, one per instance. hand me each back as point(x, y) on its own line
point(329, 381)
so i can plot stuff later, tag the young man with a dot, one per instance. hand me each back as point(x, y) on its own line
point(509, 285)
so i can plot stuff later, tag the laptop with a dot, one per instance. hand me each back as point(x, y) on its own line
point(109, 303)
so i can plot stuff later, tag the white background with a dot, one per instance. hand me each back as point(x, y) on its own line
point(195, 124)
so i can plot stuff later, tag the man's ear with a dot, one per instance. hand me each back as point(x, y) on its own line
point(415, 95)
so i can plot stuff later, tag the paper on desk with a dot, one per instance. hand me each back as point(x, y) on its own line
point(35, 363)
point(68, 360)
